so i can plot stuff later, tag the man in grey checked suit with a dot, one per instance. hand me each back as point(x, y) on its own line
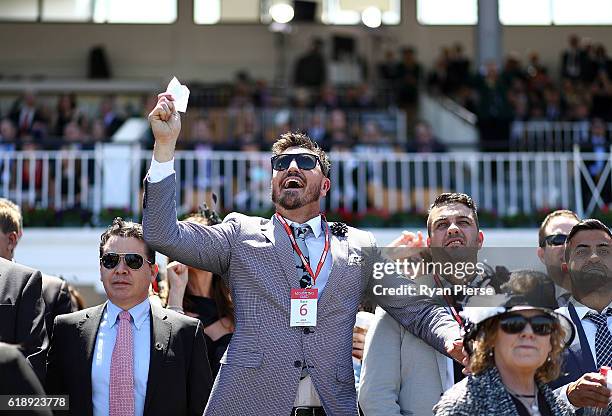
point(271, 367)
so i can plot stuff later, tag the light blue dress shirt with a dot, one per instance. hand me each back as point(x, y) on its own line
point(315, 242)
point(103, 351)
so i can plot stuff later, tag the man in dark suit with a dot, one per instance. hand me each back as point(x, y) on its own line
point(588, 258)
point(284, 358)
point(551, 241)
point(22, 311)
point(128, 355)
point(18, 378)
point(55, 291)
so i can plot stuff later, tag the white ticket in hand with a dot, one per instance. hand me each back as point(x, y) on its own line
point(180, 94)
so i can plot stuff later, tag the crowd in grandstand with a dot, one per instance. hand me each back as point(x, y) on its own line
point(338, 115)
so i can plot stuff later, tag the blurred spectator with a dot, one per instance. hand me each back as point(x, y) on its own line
point(26, 115)
point(98, 131)
point(328, 98)
point(65, 113)
point(536, 73)
point(601, 91)
point(112, 120)
point(573, 60)
point(338, 137)
point(242, 91)
point(458, 68)
point(599, 144)
point(553, 106)
point(316, 129)
point(438, 79)
point(73, 136)
point(493, 110)
point(388, 70)
point(372, 140)
point(424, 140)
point(8, 132)
point(410, 73)
point(310, 68)
point(518, 98)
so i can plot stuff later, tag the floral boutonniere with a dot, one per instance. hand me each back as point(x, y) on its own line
point(339, 229)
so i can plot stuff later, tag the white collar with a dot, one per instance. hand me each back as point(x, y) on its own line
point(582, 310)
point(315, 224)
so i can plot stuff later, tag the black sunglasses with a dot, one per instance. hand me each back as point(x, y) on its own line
point(304, 161)
point(554, 240)
point(132, 260)
point(515, 324)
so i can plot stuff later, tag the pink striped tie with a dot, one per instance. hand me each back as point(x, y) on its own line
point(121, 401)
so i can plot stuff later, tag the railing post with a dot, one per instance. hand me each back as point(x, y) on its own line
point(578, 182)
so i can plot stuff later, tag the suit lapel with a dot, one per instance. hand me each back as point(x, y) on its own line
point(276, 234)
point(161, 331)
point(339, 252)
point(88, 328)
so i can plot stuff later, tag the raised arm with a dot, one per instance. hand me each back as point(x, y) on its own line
point(203, 247)
point(419, 314)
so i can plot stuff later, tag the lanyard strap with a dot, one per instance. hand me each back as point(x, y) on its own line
point(450, 304)
point(299, 252)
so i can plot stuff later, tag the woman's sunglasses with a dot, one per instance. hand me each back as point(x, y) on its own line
point(304, 161)
point(515, 324)
point(132, 260)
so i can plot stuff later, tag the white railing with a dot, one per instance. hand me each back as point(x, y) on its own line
point(549, 136)
point(504, 183)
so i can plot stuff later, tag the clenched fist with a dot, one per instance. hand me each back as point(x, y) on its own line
point(166, 125)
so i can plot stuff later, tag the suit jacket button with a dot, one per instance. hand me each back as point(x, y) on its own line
point(158, 346)
point(297, 364)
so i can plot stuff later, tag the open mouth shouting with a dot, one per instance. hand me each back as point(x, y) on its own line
point(293, 182)
point(455, 242)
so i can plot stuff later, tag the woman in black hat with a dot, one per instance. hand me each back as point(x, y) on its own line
point(514, 350)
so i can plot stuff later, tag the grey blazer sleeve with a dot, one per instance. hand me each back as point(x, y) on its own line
point(203, 247)
point(381, 377)
point(420, 315)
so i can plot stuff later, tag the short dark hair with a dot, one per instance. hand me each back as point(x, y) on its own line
point(558, 213)
point(448, 198)
point(295, 139)
point(584, 225)
point(127, 229)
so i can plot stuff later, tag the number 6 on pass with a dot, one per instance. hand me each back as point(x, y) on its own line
point(303, 307)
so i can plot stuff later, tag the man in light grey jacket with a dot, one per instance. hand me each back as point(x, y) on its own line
point(277, 362)
point(401, 374)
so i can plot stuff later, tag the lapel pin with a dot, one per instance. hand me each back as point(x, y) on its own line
point(355, 260)
point(339, 229)
point(159, 346)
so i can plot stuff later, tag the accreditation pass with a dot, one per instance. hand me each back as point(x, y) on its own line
point(303, 307)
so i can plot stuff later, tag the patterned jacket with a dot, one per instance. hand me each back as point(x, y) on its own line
point(485, 394)
point(261, 369)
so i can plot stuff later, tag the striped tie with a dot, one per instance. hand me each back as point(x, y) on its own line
point(603, 341)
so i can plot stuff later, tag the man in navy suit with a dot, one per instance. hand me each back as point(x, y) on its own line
point(588, 259)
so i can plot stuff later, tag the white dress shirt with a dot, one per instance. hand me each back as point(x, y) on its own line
point(590, 329)
point(103, 351)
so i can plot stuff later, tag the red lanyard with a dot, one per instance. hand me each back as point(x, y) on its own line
point(299, 252)
point(449, 302)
